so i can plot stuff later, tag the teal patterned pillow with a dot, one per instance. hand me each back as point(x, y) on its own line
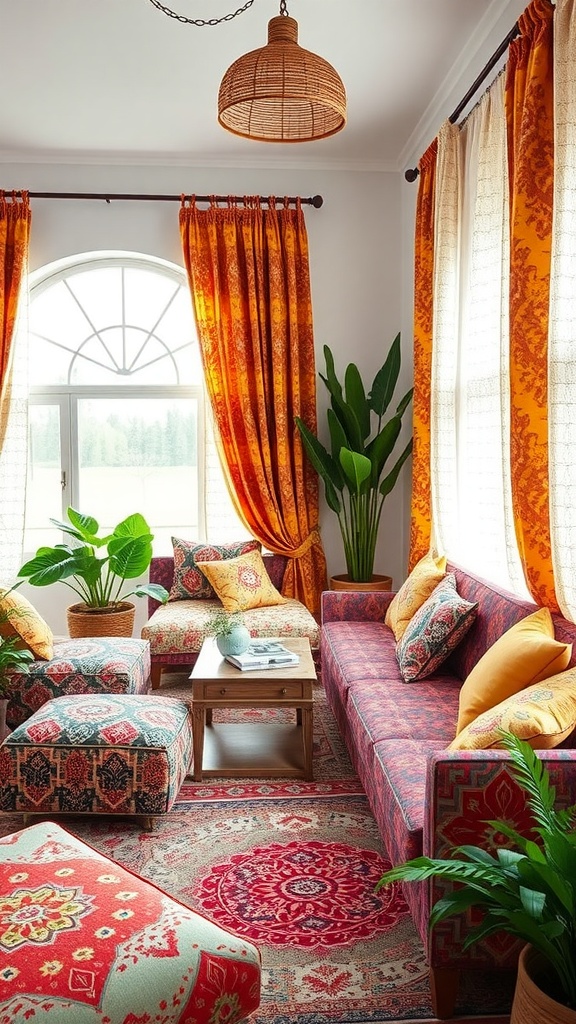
point(189, 582)
point(434, 631)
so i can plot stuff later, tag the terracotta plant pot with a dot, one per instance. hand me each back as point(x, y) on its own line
point(343, 582)
point(531, 1004)
point(84, 621)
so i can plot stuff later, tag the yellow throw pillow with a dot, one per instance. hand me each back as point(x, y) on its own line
point(425, 576)
point(543, 714)
point(526, 653)
point(19, 618)
point(242, 583)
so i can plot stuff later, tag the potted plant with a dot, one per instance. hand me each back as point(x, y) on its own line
point(13, 658)
point(96, 569)
point(362, 442)
point(529, 892)
point(232, 636)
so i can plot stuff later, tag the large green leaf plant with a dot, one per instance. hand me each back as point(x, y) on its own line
point(362, 442)
point(529, 891)
point(97, 568)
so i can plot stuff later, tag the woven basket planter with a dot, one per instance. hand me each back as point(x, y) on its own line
point(84, 621)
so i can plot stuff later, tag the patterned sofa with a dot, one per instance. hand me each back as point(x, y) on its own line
point(177, 629)
point(425, 798)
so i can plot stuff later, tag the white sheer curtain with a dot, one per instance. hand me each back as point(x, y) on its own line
point(14, 453)
point(470, 409)
point(562, 331)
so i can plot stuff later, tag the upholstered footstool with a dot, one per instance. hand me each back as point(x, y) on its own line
point(114, 754)
point(89, 665)
point(79, 932)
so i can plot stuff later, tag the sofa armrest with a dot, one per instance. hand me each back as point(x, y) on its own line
point(465, 789)
point(355, 605)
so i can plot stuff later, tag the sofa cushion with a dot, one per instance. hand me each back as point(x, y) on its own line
point(425, 575)
point(188, 581)
point(242, 583)
point(526, 653)
point(180, 627)
point(543, 714)
point(434, 631)
point(80, 932)
point(20, 618)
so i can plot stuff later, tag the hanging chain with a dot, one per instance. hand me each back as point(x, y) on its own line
point(283, 8)
point(200, 21)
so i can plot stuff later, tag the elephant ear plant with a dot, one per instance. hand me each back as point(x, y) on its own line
point(530, 891)
point(97, 566)
point(362, 442)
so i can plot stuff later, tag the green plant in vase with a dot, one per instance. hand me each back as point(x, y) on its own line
point(98, 569)
point(14, 657)
point(232, 636)
point(354, 471)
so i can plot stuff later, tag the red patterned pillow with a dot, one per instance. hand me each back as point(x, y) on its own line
point(434, 631)
point(188, 580)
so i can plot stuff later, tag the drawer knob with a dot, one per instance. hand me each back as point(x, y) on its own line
point(283, 690)
point(222, 691)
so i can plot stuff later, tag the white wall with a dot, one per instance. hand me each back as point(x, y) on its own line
point(356, 266)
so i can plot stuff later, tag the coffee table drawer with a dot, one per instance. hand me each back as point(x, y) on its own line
point(275, 689)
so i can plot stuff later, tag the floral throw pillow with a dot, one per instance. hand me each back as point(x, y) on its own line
point(189, 582)
point(242, 583)
point(434, 631)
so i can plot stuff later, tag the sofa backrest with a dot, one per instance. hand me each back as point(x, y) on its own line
point(162, 571)
point(498, 610)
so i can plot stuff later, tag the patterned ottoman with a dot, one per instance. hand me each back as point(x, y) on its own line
point(116, 754)
point(91, 665)
point(79, 932)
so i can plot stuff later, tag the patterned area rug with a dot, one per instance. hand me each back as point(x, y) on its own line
point(292, 866)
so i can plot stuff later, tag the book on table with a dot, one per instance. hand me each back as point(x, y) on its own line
point(264, 654)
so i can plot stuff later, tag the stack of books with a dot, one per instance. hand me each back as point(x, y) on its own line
point(263, 654)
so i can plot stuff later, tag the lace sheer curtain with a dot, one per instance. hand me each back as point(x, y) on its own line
point(470, 407)
point(562, 331)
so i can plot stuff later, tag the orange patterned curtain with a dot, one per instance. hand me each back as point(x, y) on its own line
point(249, 277)
point(15, 220)
point(530, 128)
point(421, 525)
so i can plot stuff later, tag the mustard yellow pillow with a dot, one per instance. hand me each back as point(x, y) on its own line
point(425, 576)
point(543, 714)
point(526, 653)
point(19, 618)
point(242, 583)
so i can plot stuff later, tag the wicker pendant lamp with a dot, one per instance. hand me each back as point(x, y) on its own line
point(281, 92)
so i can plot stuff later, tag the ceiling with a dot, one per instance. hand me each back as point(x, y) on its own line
point(120, 81)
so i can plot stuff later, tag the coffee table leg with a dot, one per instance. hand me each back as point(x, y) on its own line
point(198, 741)
point(307, 741)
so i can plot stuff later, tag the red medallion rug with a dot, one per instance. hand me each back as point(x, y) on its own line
point(292, 866)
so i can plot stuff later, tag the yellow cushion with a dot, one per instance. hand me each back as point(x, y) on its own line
point(543, 714)
point(526, 653)
point(242, 583)
point(19, 618)
point(425, 576)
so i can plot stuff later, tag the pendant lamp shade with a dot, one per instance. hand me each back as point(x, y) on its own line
point(281, 92)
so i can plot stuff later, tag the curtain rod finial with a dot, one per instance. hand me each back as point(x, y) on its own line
point(411, 174)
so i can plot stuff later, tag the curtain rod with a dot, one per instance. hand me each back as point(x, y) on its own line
point(412, 173)
point(107, 197)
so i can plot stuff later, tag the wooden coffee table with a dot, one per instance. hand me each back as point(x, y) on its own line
point(239, 750)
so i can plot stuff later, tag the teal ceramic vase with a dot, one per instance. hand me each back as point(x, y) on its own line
point(235, 642)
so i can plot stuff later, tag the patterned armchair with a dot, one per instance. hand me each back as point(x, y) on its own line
point(176, 630)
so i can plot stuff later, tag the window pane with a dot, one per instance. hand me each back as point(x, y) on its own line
point(44, 485)
point(140, 455)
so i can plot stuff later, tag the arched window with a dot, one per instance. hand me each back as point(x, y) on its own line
point(117, 414)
